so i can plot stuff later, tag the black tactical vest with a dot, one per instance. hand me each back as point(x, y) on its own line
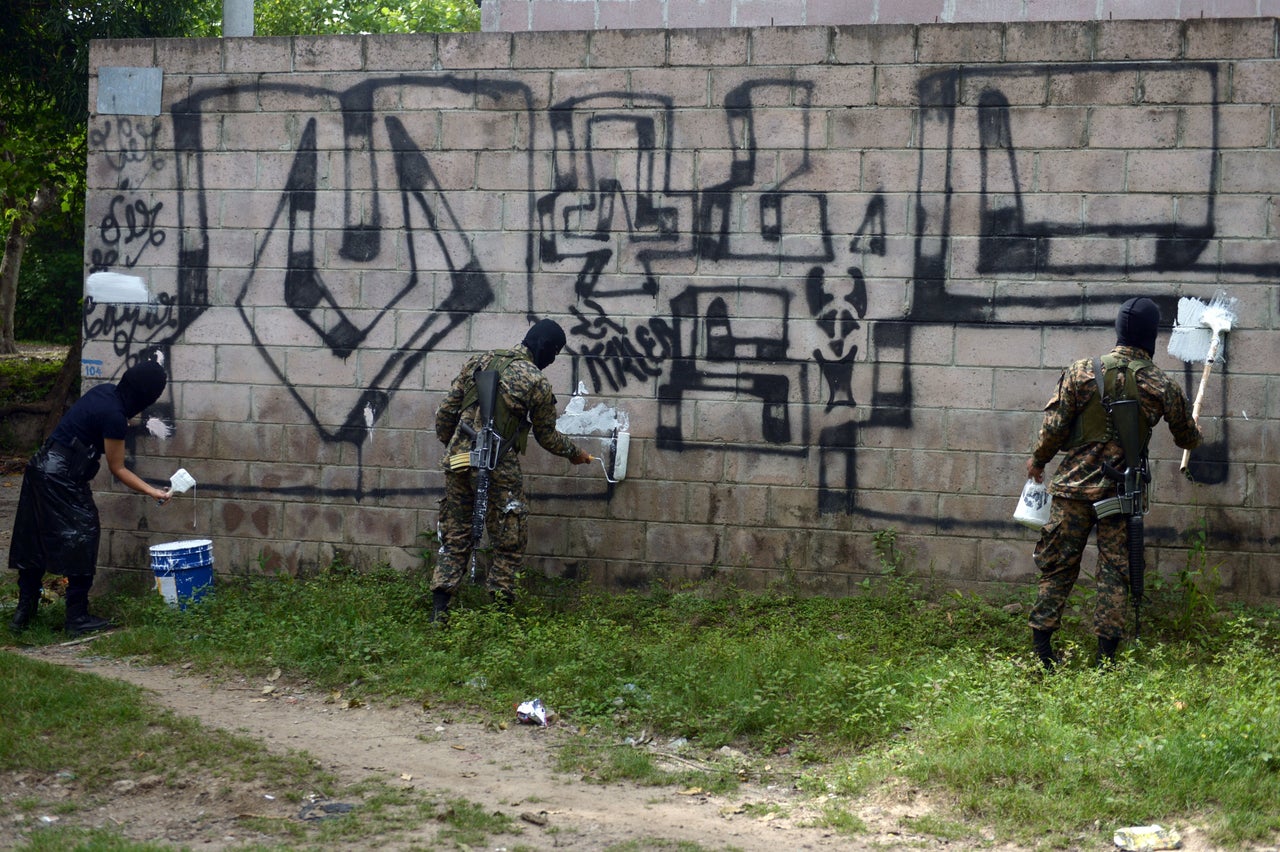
point(1093, 423)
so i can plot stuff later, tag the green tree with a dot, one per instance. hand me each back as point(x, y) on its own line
point(44, 91)
point(333, 17)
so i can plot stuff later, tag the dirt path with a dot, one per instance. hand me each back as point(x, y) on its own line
point(506, 771)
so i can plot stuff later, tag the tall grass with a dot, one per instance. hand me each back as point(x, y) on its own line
point(941, 694)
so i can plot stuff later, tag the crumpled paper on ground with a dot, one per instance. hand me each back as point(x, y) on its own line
point(534, 712)
point(1147, 838)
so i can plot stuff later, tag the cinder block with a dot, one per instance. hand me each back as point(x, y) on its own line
point(123, 53)
point(1140, 39)
point(628, 48)
point(399, 52)
point(684, 87)
point(699, 14)
point(960, 43)
point(562, 48)
point(1231, 37)
point(779, 44)
point(716, 47)
point(328, 53)
point(257, 55)
point(1065, 39)
point(459, 51)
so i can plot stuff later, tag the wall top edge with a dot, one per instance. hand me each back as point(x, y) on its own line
point(1251, 20)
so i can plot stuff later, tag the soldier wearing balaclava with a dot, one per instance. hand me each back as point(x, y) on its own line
point(524, 404)
point(1077, 423)
point(56, 529)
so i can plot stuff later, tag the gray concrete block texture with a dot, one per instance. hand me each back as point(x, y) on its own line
point(829, 275)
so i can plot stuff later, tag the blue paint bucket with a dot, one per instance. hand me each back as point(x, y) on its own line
point(183, 570)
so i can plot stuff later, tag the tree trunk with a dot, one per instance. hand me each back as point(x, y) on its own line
point(11, 263)
point(61, 393)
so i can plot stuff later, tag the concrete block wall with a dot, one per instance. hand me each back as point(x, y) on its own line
point(830, 275)
point(547, 15)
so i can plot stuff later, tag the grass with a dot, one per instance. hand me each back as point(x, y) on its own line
point(887, 688)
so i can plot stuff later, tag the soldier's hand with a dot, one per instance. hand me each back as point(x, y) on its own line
point(581, 457)
point(1034, 471)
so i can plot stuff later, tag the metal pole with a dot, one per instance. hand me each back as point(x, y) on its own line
point(237, 18)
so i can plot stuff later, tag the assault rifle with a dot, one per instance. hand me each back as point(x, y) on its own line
point(484, 457)
point(1131, 487)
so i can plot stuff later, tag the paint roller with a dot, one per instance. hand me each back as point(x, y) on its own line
point(615, 469)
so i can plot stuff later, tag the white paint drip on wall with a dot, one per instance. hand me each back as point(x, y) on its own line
point(368, 420)
point(116, 287)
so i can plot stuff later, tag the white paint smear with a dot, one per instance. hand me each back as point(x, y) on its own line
point(115, 287)
point(598, 420)
point(159, 428)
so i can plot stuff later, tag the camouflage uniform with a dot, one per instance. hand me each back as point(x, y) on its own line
point(528, 397)
point(1080, 481)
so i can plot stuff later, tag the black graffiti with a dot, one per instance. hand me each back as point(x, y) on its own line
point(785, 334)
point(131, 328)
point(612, 355)
point(128, 222)
point(132, 143)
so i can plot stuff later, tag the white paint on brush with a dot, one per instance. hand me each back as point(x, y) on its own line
point(158, 428)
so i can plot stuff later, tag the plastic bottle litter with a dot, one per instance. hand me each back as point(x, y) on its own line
point(1147, 838)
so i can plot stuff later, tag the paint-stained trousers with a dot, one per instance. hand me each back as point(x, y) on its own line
point(506, 524)
point(1058, 555)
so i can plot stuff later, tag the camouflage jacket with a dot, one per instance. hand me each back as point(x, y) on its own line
point(526, 393)
point(1080, 476)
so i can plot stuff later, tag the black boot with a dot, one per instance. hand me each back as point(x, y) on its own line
point(1107, 646)
point(28, 600)
point(440, 607)
point(79, 620)
point(1040, 640)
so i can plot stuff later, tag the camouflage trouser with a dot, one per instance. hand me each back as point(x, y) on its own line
point(506, 524)
point(1058, 554)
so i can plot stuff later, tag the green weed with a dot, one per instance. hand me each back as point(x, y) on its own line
point(858, 692)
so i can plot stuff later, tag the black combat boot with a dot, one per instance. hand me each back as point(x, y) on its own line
point(28, 600)
point(1040, 640)
point(1107, 646)
point(440, 607)
point(79, 620)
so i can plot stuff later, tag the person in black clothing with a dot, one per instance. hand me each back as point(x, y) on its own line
point(56, 528)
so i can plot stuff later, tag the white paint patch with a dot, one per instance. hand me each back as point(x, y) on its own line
point(115, 287)
point(158, 428)
point(599, 420)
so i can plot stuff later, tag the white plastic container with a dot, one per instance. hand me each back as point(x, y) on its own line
point(1033, 506)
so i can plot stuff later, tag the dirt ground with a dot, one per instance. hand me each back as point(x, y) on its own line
point(505, 769)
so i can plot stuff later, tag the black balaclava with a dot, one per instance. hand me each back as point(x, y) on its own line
point(1137, 324)
point(544, 341)
point(140, 386)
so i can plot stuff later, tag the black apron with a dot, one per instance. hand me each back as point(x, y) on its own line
point(56, 529)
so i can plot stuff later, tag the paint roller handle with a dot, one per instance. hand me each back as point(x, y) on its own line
point(1212, 356)
point(581, 457)
point(165, 497)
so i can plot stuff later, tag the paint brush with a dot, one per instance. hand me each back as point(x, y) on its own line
point(1197, 335)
